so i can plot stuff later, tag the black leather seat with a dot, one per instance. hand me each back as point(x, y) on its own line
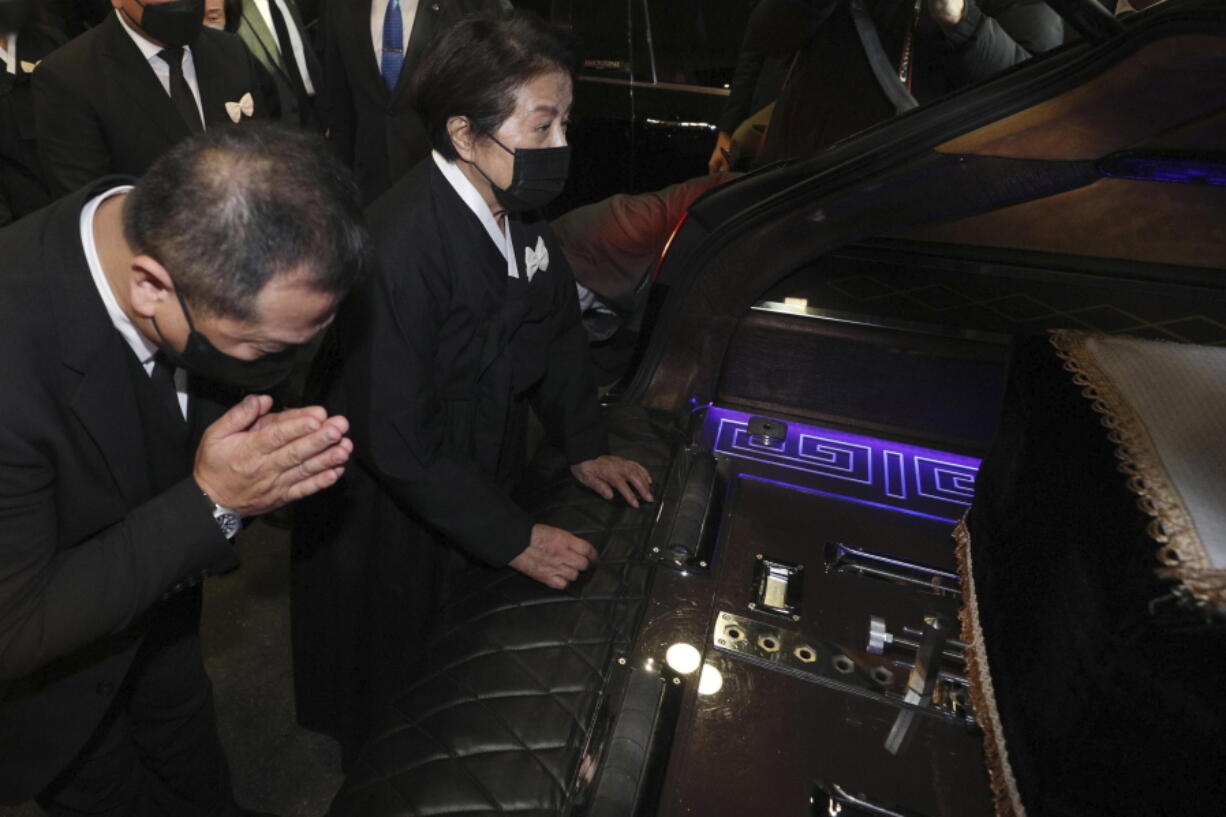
point(500, 719)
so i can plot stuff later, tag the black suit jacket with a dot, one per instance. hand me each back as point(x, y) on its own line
point(376, 131)
point(86, 547)
point(100, 109)
point(22, 189)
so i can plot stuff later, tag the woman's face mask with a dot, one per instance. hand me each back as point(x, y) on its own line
point(538, 176)
point(534, 137)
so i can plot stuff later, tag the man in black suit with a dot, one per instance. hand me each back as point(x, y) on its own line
point(24, 41)
point(122, 93)
point(130, 318)
point(370, 53)
point(274, 33)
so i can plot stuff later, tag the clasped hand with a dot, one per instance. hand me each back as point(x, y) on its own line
point(253, 460)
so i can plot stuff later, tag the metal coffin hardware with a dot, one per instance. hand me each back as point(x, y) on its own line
point(853, 561)
point(777, 587)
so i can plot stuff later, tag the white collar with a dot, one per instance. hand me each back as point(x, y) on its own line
point(141, 346)
point(148, 48)
point(501, 236)
point(8, 51)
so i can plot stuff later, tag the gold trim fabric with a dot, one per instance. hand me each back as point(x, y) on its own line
point(1181, 556)
point(1005, 795)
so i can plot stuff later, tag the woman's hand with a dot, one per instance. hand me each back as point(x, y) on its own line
point(554, 557)
point(607, 474)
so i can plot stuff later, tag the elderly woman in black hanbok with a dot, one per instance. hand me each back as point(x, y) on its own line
point(469, 319)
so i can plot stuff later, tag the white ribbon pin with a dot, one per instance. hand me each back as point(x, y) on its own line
point(28, 67)
point(244, 107)
point(537, 259)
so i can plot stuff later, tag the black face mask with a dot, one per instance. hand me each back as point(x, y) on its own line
point(537, 177)
point(14, 14)
point(175, 23)
point(202, 358)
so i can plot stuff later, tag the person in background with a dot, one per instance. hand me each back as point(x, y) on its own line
point(469, 321)
point(127, 90)
point(899, 51)
point(751, 97)
point(215, 14)
point(613, 247)
point(132, 319)
point(273, 31)
point(24, 42)
point(371, 49)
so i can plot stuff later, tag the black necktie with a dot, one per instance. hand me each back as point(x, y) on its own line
point(286, 45)
point(167, 435)
point(180, 91)
point(163, 380)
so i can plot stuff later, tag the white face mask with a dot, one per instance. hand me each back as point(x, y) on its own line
point(220, 25)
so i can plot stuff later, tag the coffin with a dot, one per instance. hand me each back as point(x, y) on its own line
point(1093, 573)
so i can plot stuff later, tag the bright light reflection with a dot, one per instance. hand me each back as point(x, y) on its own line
point(711, 681)
point(683, 658)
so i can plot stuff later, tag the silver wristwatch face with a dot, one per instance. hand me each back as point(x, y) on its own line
point(228, 521)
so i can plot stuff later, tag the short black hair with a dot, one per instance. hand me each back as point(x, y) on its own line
point(473, 69)
point(228, 210)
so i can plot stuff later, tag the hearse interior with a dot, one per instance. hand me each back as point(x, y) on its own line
point(937, 421)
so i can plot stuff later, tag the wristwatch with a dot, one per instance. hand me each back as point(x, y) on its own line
point(229, 521)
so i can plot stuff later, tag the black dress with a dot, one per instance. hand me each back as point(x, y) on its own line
point(435, 361)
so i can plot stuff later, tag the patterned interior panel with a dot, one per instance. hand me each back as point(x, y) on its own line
point(868, 470)
point(498, 722)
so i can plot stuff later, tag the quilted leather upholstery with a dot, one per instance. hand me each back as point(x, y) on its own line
point(499, 720)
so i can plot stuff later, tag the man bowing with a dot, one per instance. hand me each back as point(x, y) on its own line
point(130, 318)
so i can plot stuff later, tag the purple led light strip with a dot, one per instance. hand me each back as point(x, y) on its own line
point(868, 470)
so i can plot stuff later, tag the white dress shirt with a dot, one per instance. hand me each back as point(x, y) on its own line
point(501, 236)
point(295, 40)
point(378, 9)
point(8, 51)
point(161, 70)
point(141, 346)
